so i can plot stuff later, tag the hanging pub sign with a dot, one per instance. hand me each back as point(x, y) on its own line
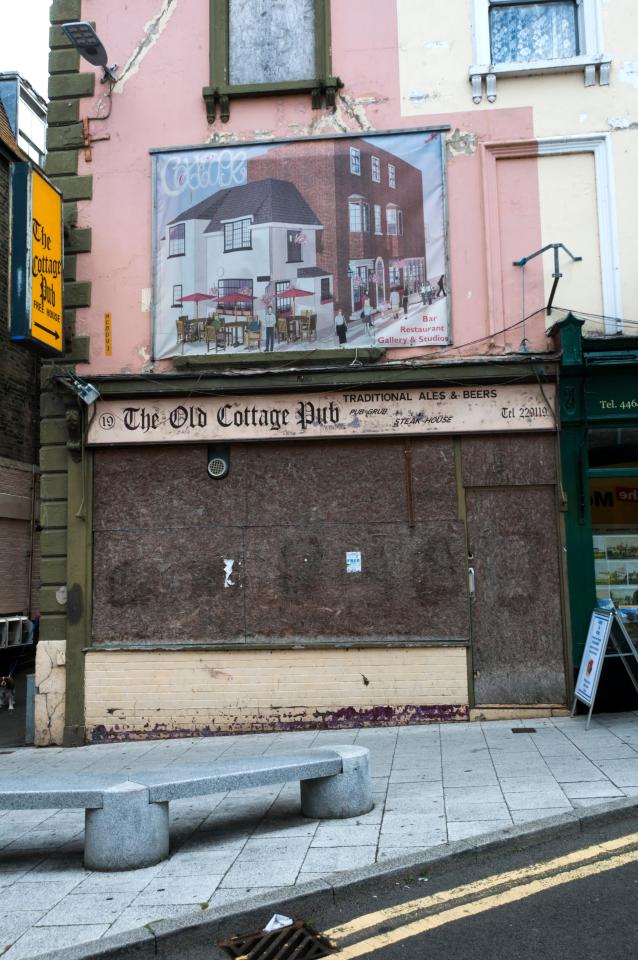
point(36, 260)
point(322, 231)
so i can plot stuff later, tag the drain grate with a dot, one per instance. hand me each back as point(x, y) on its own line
point(296, 942)
point(523, 729)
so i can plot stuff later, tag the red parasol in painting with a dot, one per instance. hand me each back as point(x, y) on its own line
point(293, 293)
point(196, 298)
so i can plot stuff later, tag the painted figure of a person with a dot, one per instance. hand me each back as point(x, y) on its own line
point(269, 325)
point(341, 327)
point(395, 301)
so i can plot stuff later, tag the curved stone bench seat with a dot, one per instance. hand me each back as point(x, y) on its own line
point(126, 821)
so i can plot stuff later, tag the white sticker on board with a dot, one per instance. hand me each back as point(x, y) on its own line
point(353, 561)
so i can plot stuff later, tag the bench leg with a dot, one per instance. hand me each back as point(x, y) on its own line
point(127, 832)
point(347, 794)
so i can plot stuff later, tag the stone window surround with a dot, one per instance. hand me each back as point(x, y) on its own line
point(598, 144)
point(219, 92)
point(593, 62)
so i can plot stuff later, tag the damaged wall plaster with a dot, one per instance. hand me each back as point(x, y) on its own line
point(621, 123)
point(50, 679)
point(152, 32)
point(628, 73)
point(460, 142)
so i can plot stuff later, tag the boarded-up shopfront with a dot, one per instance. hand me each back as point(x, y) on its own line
point(362, 576)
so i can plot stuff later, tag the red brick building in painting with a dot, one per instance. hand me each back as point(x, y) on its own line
point(370, 203)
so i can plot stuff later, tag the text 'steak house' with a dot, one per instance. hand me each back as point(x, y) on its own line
point(323, 485)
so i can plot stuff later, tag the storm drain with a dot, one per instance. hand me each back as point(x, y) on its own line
point(523, 729)
point(298, 941)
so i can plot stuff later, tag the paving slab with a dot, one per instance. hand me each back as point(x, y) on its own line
point(431, 784)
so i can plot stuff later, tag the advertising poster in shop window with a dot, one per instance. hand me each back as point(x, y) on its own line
point(266, 247)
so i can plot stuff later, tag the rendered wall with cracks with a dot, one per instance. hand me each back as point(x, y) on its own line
point(158, 103)
point(50, 692)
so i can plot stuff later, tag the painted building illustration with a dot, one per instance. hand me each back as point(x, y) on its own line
point(315, 227)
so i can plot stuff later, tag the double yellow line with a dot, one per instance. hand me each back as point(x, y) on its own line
point(519, 884)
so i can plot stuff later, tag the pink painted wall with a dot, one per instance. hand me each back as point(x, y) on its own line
point(158, 103)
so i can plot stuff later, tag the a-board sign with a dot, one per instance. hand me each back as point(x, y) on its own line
point(36, 260)
point(607, 637)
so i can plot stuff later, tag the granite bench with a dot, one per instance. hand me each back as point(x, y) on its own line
point(126, 820)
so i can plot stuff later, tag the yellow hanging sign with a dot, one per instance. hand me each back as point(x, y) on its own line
point(46, 264)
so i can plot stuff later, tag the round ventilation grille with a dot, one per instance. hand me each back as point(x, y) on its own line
point(217, 468)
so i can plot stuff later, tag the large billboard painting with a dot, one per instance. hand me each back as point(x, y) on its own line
point(301, 245)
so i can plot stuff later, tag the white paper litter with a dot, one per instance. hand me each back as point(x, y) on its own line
point(276, 922)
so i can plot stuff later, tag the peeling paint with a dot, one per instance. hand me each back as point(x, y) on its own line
point(621, 123)
point(436, 44)
point(152, 32)
point(145, 353)
point(146, 296)
point(61, 595)
point(460, 143)
point(287, 720)
point(628, 73)
point(418, 95)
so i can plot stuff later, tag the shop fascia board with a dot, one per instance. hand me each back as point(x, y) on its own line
point(177, 384)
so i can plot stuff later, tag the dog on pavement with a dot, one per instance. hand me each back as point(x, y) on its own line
point(7, 693)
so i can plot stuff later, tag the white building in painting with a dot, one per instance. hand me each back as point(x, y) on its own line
point(257, 240)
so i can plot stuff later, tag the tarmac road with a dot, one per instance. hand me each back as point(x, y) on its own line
point(559, 900)
point(558, 889)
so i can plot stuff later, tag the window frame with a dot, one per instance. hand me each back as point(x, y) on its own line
point(177, 286)
point(219, 91)
point(326, 296)
point(238, 222)
point(578, 23)
point(175, 227)
point(392, 176)
point(378, 220)
point(483, 74)
point(355, 161)
point(375, 166)
point(355, 205)
point(362, 206)
point(294, 247)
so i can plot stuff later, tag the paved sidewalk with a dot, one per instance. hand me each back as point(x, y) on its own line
point(432, 784)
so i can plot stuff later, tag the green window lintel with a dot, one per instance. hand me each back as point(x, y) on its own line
point(219, 91)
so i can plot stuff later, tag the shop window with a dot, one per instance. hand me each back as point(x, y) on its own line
point(257, 47)
point(613, 492)
point(355, 161)
point(177, 240)
point(392, 175)
point(177, 295)
point(376, 169)
point(238, 235)
point(524, 37)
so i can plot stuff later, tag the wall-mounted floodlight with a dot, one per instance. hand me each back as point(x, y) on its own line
point(87, 393)
point(88, 44)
